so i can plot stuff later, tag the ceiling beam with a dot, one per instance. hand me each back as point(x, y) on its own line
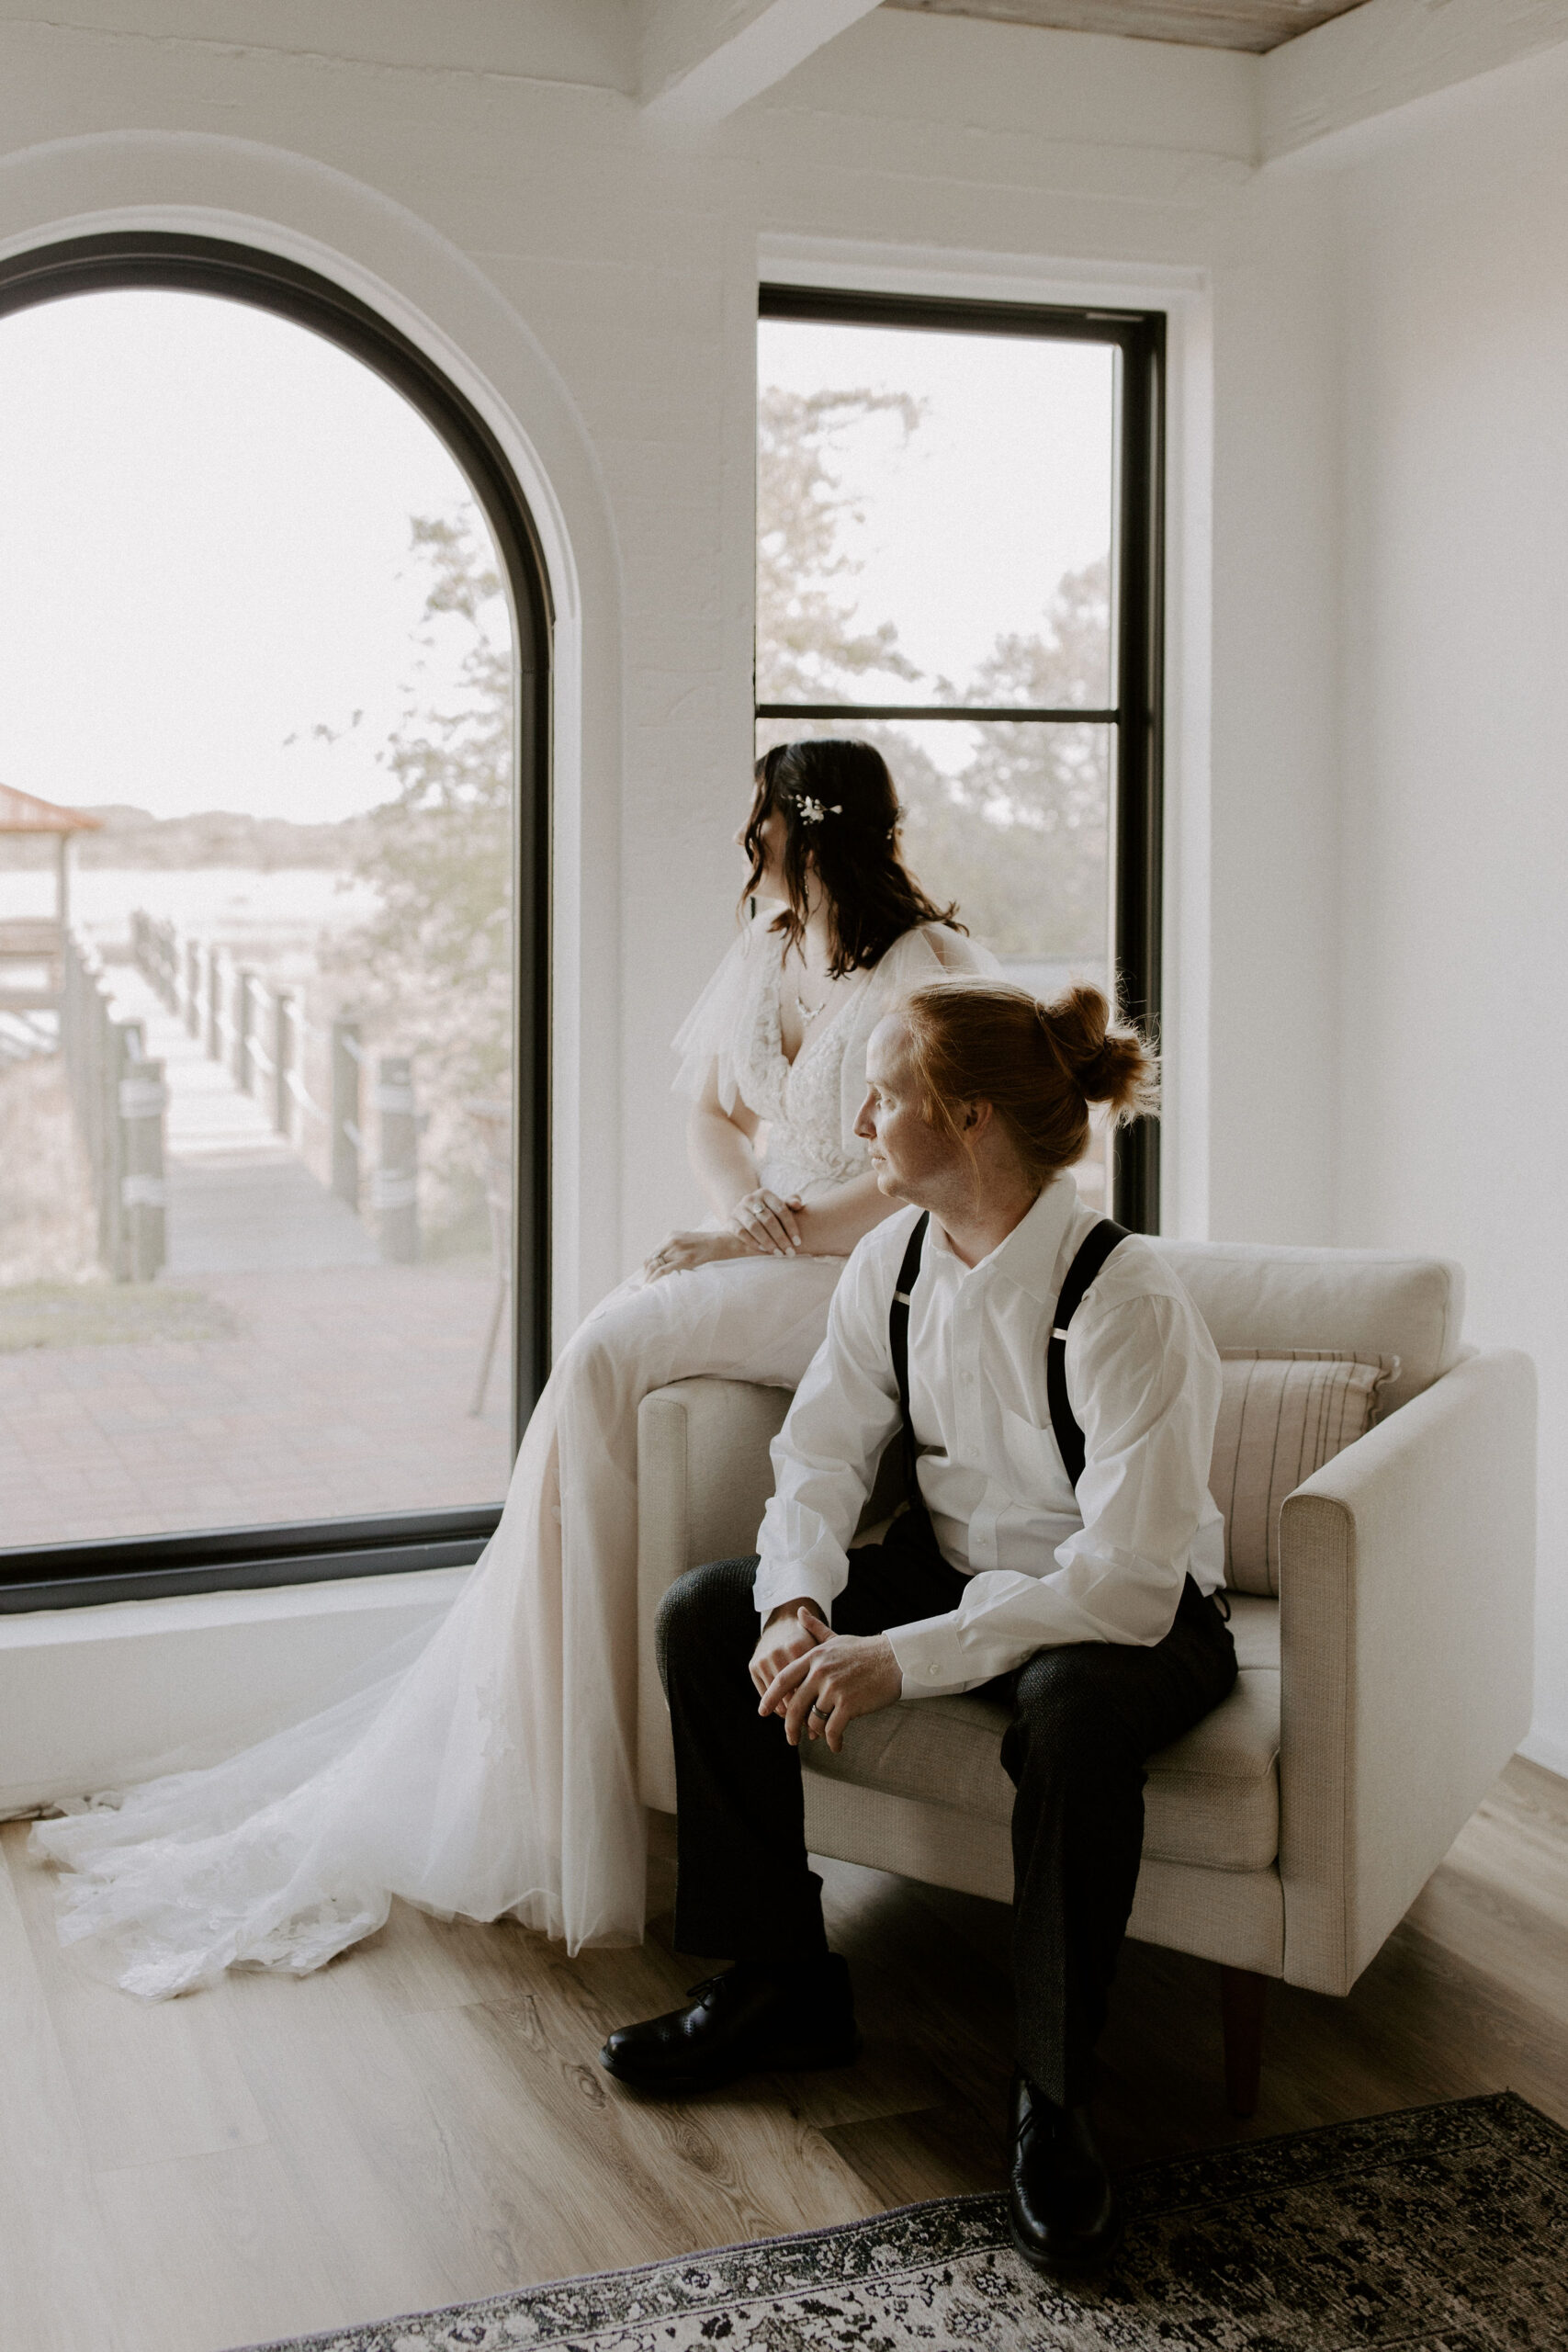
point(701, 59)
point(1386, 55)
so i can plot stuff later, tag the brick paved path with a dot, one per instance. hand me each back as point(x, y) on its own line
point(345, 1391)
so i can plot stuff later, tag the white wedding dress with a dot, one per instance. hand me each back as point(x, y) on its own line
point(489, 1767)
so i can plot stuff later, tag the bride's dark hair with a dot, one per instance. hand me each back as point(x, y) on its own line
point(841, 812)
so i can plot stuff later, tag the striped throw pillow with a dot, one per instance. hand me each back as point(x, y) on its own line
point(1284, 1413)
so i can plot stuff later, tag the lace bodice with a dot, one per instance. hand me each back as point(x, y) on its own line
point(733, 1036)
point(800, 1100)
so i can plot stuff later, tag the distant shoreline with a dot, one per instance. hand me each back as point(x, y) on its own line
point(134, 840)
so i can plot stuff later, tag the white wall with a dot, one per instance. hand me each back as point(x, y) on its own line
point(1455, 925)
point(93, 1697)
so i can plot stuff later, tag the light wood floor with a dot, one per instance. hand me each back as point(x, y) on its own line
point(425, 2121)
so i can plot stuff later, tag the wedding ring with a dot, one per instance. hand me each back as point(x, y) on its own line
point(817, 1713)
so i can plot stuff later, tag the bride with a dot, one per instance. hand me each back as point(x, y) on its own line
point(489, 1768)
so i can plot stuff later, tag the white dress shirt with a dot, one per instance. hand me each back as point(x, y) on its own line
point(1045, 1567)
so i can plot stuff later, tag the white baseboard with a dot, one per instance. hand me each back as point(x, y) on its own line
point(1541, 1748)
point(92, 1698)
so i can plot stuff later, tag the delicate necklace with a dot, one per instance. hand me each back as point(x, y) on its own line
point(808, 1013)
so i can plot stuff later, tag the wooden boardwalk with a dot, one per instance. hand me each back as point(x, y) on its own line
point(334, 1385)
point(240, 1199)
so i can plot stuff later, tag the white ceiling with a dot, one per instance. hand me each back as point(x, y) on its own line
point(1256, 25)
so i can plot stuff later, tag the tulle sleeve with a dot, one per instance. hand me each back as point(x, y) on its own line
point(953, 954)
point(706, 1038)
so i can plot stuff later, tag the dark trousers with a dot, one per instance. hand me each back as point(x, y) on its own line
point(1086, 1718)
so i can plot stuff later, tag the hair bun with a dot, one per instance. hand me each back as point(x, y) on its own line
point(1106, 1059)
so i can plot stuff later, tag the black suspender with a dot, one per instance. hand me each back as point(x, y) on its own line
point(1096, 1247)
point(899, 1340)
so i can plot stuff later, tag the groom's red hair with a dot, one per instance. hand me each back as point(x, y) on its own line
point(1039, 1066)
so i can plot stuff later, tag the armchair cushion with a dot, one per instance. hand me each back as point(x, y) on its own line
point(1213, 1798)
point(1363, 1301)
point(1284, 1413)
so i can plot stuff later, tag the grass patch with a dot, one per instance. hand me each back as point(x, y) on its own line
point(105, 1315)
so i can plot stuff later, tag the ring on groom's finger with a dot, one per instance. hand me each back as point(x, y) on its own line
point(820, 1714)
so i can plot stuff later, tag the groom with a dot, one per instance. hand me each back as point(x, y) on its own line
point(1058, 1547)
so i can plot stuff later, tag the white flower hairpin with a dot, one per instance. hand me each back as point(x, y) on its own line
point(812, 811)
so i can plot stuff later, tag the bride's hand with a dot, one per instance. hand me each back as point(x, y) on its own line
point(680, 1251)
point(767, 1219)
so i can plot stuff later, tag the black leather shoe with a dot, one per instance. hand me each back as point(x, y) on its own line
point(749, 2020)
point(1062, 2203)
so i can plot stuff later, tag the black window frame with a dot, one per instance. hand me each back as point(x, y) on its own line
point(1137, 715)
point(136, 1568)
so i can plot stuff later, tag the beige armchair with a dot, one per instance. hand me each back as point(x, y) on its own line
point(1378, 1696)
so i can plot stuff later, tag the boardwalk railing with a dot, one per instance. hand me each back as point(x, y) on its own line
point(120, 1099)
point(265, 1037)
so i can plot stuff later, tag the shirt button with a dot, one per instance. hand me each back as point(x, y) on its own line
point(931, 1673)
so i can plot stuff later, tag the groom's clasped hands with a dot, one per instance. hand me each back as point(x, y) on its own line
point(818, 1682)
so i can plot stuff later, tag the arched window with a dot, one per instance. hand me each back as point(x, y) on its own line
point(273, 832)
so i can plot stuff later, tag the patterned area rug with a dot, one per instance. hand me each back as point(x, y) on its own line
point(1441, 2230)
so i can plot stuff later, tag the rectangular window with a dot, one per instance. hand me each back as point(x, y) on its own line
point(958, 561)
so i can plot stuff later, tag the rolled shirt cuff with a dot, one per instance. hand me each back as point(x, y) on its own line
point(931, 1657)
point(780, 1581)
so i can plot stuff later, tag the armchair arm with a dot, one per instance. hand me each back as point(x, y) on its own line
point(1406, 1593)
point(704, 1477)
